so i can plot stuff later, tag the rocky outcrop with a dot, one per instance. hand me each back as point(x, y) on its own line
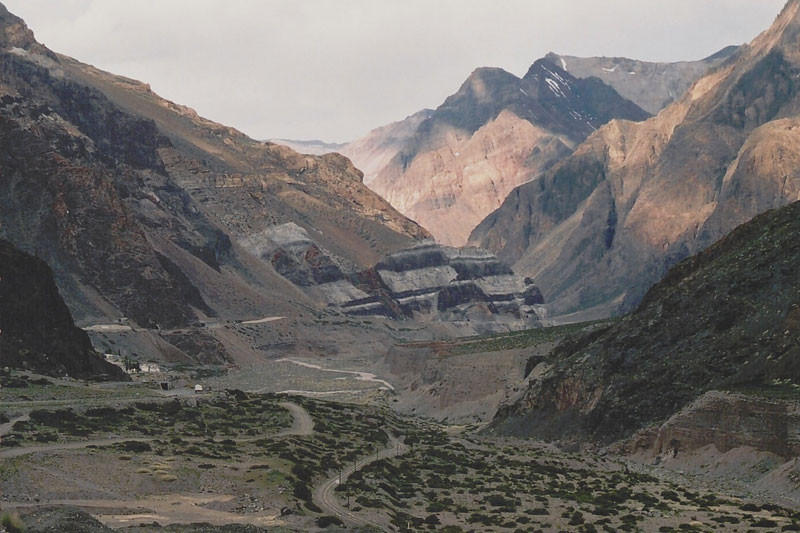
point(36, 330)
point(298, 258)
point(66, 208)
point(425, 282)
point(497, 132)
point(724, 319)
point(725, 421)
point(604, 224)
point(651, 86)
point(458, 285)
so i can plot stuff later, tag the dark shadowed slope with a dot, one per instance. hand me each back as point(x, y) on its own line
point(144, 209)
point(36, 330)
point(727, 317)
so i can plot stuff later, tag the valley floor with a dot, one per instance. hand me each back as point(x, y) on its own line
point(132, 457)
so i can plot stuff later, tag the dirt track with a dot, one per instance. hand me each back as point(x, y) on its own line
point(325, 497)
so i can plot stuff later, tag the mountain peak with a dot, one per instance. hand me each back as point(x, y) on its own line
point(14, 33)
point(724, 53)
point(548, 64)
point(783, 32)
point(484, 83)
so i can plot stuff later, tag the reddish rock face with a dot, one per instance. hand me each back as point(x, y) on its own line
point(453, 187)
point(729, 421)
point(375, 151)
point(497, 132)
point(717, 423)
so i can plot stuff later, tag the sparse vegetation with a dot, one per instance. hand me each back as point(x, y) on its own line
point(444, 482)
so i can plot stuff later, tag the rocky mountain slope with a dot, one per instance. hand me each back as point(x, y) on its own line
point(128, 196)
point(425, 282)
point(506, 150)
point(604, 224)
point(36, 330)
point(725, 319)
point(373, 152)
point(496, 132)
point(651, 86)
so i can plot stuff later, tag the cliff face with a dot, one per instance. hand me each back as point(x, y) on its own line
point(139, 204)
point(460, 285)
point(604, 224)
point(427, 282)
point(496, 132)
point(725, 421)
point(724, 319)
point(36, 330)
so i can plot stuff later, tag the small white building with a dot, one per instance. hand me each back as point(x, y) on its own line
point(198, 388)
point(149, 367)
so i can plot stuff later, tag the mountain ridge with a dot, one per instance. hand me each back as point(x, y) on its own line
point(651, 85)
point(127, 196)
point(495, 132)
point(644, 196)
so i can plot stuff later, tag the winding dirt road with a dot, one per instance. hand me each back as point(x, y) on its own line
point(360, 376)
point(8, 426)
point(303, 423)
point(325, 497)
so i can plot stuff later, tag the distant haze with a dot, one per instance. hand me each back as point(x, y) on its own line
point(334, 69)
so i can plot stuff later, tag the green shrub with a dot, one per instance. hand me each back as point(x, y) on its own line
point(537, 511)
point(135, 446)
point(12, 522)
point(670, 495)
point(764, 522)
point(576, 519)
point(432, 520)
point(328, 520)
point(302, 492)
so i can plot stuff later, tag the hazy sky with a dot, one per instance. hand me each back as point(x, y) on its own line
point(334, 69)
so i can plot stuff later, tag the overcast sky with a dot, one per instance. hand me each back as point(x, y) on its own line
point(334, 69)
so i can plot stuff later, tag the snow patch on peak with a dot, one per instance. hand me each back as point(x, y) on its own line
point(555, 88)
